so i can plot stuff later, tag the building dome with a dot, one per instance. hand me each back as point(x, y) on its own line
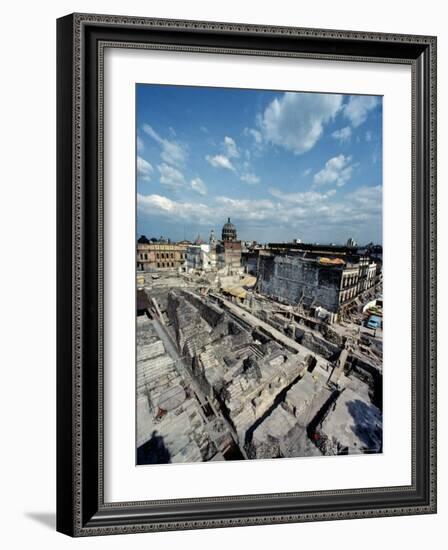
point(228, 231)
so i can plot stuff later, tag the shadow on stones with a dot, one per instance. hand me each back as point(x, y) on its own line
point(368, 425)
point(153, 451)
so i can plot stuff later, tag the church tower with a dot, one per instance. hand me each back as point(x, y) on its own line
point(229, 232)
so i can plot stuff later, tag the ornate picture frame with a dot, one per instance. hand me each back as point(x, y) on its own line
point(81, 42)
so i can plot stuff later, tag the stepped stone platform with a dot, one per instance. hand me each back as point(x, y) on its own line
point(218, 379)
point(170, 423)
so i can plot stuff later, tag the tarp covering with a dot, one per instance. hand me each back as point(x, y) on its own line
point(331, 261)
point(248, 281)
point(236, 291)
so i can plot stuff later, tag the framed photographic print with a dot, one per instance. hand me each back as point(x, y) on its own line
point(246, 274)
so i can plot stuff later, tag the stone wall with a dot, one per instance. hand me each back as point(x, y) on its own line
point(370, 375)
point(208, 311)
point(317, 344)
point(291, 278)
point(251, 263)
point(190, 328)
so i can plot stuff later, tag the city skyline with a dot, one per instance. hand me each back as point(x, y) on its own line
point(281, 165)
point(205, 238)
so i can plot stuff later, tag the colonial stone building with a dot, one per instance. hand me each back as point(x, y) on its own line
point(229, 255)
point(160, 255)
point(224, 254)
point(201, 257)
point(331, 281)
point(229, 232)
point(229, 250)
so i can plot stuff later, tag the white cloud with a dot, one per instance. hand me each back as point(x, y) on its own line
point(205, 214)
point(170, 176)
point(255, 134)
point(156, 204)
point(248, 209)
point(369, 135)
point(357, 108)
point(230, 147)
point(173, 152)
point(306, 197)
point(287, 214)
point(343, 134)
point(295, 121)
point(337, 170)
point(160, 206)
point(306, 172)
point(144, 168)
point(220, 161)
point(368, 198)
point(140, 144)
point(249, 178)
point(199, 186)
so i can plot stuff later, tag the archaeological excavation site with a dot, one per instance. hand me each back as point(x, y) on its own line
point(248, 351)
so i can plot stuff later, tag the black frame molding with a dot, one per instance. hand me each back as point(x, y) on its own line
point(81, 39)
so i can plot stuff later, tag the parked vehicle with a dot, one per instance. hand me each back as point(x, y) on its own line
point(374, 322)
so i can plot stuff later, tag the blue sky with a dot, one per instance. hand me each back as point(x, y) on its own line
point(281, 165)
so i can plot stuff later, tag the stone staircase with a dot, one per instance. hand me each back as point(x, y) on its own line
point(156, 372)
point(149, 351)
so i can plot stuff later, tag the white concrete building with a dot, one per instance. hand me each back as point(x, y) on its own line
point(201, 257)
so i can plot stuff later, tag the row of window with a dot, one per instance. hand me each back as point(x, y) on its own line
point(348, 295)
point(167, 255)
point(351, 293)
point(349, 280)
point(165, 264)
point(162, 256)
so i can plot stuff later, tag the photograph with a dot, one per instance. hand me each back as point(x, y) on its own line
point(259, 270)
point(246, 272)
